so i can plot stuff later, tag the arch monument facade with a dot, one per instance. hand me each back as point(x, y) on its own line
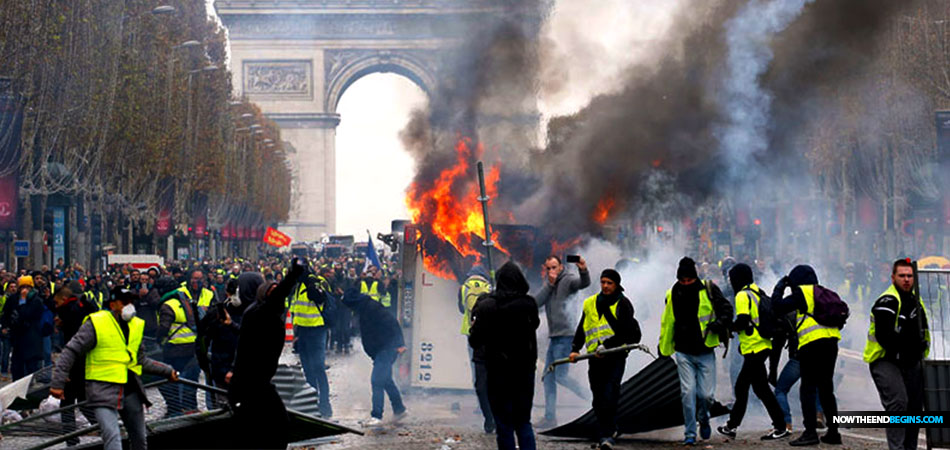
point(295, 58)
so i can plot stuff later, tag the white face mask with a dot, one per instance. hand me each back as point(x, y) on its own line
point(128, 312)
point(235, 300)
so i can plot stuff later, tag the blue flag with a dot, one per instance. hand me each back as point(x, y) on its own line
point(371, 256)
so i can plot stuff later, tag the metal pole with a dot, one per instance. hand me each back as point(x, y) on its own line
point(488, 243)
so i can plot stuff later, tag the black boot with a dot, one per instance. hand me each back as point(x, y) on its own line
point(832, 437)
point(809, 437)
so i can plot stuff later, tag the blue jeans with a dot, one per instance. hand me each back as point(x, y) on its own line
point(786, 380)
point(133, 417)
point(697, 386)
point(559, 347)
point(312, 349)
point(382, 383)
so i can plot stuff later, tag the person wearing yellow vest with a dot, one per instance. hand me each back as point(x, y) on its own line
point(607, 321)
point(310, 336)
point(369, 286)
point(755, 351)
point(110, 341)
point(817, 353)
point(177, 333)
point(196, 293)
point(694, 320)
point(475, 285)
point(898, 340)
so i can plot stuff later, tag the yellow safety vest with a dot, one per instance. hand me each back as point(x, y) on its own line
point(873, 351)
point(473, 287)
point(596, 328)
point(204, 300)
point(112, 358)
point(305, 312)
point(371, 291)
point(704, 314)
point(747, 302)
point(809, 329)
point(179, 332)
point(95, 297)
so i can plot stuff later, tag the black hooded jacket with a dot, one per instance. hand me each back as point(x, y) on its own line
point(505, 322)
point(379, 330)
point(801, 275)
point(261, 340)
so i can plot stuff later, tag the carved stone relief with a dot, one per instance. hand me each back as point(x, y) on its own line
point(279, 80)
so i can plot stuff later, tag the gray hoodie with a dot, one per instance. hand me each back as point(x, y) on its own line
point(556, 300)
point(101, 393)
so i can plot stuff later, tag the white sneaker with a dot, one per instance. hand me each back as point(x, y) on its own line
point(372, 422)
point(401, 416)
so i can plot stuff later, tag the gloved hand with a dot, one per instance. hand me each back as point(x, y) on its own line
point(781, 285)
point(716, 327)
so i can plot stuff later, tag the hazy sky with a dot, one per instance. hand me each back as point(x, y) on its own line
point(372, 169)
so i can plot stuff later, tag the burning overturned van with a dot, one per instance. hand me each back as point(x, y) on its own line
point(432, 273)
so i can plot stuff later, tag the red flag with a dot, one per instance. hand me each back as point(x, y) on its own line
point(276, 238)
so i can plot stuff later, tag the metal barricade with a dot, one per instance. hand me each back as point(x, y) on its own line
point(932, 285)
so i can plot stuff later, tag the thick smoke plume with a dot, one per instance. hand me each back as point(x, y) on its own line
point(717, 105)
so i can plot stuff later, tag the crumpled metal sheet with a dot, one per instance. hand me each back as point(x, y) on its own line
point(649, 400)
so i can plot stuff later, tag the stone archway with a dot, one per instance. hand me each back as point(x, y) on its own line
point(295, 58)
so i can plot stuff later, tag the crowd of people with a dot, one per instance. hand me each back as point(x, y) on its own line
point(800, 315)
point(226, 319)
point(191, 318)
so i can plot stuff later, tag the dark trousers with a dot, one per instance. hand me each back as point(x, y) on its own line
point(5, 354)
point(261, 421)
point(605, 375)
point(754, 374)
point(511, 395)
point(901, 390)
point(74, 394)
point(480, 381)
point(818, 359)
point(21, 367)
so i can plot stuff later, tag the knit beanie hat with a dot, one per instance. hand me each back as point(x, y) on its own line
point(614, 276)
point(25, 280)
point(686, 269)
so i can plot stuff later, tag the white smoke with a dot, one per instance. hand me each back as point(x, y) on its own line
point(744, 101)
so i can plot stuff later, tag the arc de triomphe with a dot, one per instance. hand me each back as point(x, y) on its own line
point(295, 58)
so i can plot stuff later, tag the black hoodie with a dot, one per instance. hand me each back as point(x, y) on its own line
point(506, 320)
point(379, 330)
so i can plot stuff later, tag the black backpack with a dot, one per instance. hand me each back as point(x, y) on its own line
point(830, 310)
point(768, 325)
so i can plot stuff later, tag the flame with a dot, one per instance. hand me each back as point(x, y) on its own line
point(604, 207)
point(448, 208)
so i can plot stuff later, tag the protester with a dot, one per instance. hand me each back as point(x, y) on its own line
point(556, 296)
point(898, 340)
point(607, 322)
point(755, 351)
point(817, 351)
point(310, 333)
point(695, 320)
point(251, 393)
point(475, 285)
point(22, 321)
point(504, 329)
point(176, 334)
point(111, 342)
